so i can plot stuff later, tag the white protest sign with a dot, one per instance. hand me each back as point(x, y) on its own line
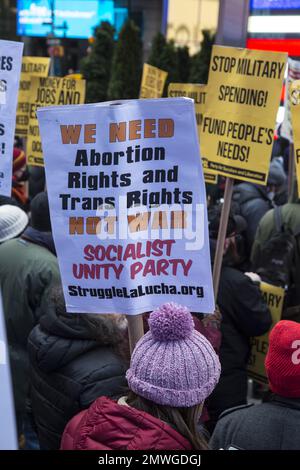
point(8, 433)
point(10, 69)
point(128, 205)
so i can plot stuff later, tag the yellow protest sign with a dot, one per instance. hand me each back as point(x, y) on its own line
point(76, 76)
point(198, 93)
point(274, 297)
point(31, 67)
point(47, 92)
point(295, 109)
point(243, 96)
point(153, 82)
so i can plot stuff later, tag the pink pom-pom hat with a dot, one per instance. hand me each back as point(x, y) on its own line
point(173, 364)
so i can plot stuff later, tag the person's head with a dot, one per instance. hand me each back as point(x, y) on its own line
point(276, 178)
point(13, 222)
point(173, 370)
point(234, 246)
point(40, 215)
point(283, 359)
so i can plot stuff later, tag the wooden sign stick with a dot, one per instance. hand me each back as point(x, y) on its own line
point(135, 329)
point(222, 234)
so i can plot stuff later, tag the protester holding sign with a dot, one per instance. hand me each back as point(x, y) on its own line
point(244, 314)
point(162, 410)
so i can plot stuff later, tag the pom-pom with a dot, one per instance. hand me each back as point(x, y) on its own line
point(171, 322)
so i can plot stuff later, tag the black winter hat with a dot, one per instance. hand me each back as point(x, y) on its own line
point(236, 223)
point(40, 216)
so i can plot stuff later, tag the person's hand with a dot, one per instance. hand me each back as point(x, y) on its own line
point(254, 277)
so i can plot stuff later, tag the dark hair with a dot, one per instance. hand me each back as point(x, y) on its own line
point(105, 329)
point(183, 420)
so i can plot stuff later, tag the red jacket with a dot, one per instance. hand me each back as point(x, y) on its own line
point(106, 425)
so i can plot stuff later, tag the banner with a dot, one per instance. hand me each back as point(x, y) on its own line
point(293, 74)
point(8, 432)
point(274, 297)
point(129, 219)
point(153, 82)
point(294, 92)
point(48, 92)
point(243, 95)
point(198, 93)
point(10, 68)
point(31, 67)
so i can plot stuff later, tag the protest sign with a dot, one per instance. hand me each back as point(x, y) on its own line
point(8, 432)
point(48, 92)
point(31, 67)
point(197, 92)
point(10, 67)
point(243, 95)
point(295, 108)
point(129, 219)
point(293, 74)
point(274, 297)
point(153, 82)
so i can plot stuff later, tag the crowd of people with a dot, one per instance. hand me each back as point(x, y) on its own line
point(185, 386)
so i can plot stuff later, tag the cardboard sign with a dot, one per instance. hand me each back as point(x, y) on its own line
point(129, 219)
point(274, 297)
point(31, 67)
point(48, 92)
point(153, 82)
point(286, 130)
point(294, 92)
point(10, 68)
point(8, 432)
point(243, 95)
point(198, 93)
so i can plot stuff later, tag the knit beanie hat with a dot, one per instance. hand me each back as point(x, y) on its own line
point(13, 221)
point(283, 359)
point(173, 364)
point(40, 215)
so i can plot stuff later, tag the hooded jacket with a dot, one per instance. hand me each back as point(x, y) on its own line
point(107, 425)
point(68, 371)
point(251, 201)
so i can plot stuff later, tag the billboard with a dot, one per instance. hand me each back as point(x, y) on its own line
point(72, 18)
point(274, 4)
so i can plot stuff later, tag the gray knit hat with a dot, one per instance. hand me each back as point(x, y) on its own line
point(173, 364)
point(13, 221)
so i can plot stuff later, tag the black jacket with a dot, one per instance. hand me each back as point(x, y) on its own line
point(268, 426)
point(244, 314)
point(68, 371)
point(251, 201)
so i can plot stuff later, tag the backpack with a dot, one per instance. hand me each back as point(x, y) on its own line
point(278, 255)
